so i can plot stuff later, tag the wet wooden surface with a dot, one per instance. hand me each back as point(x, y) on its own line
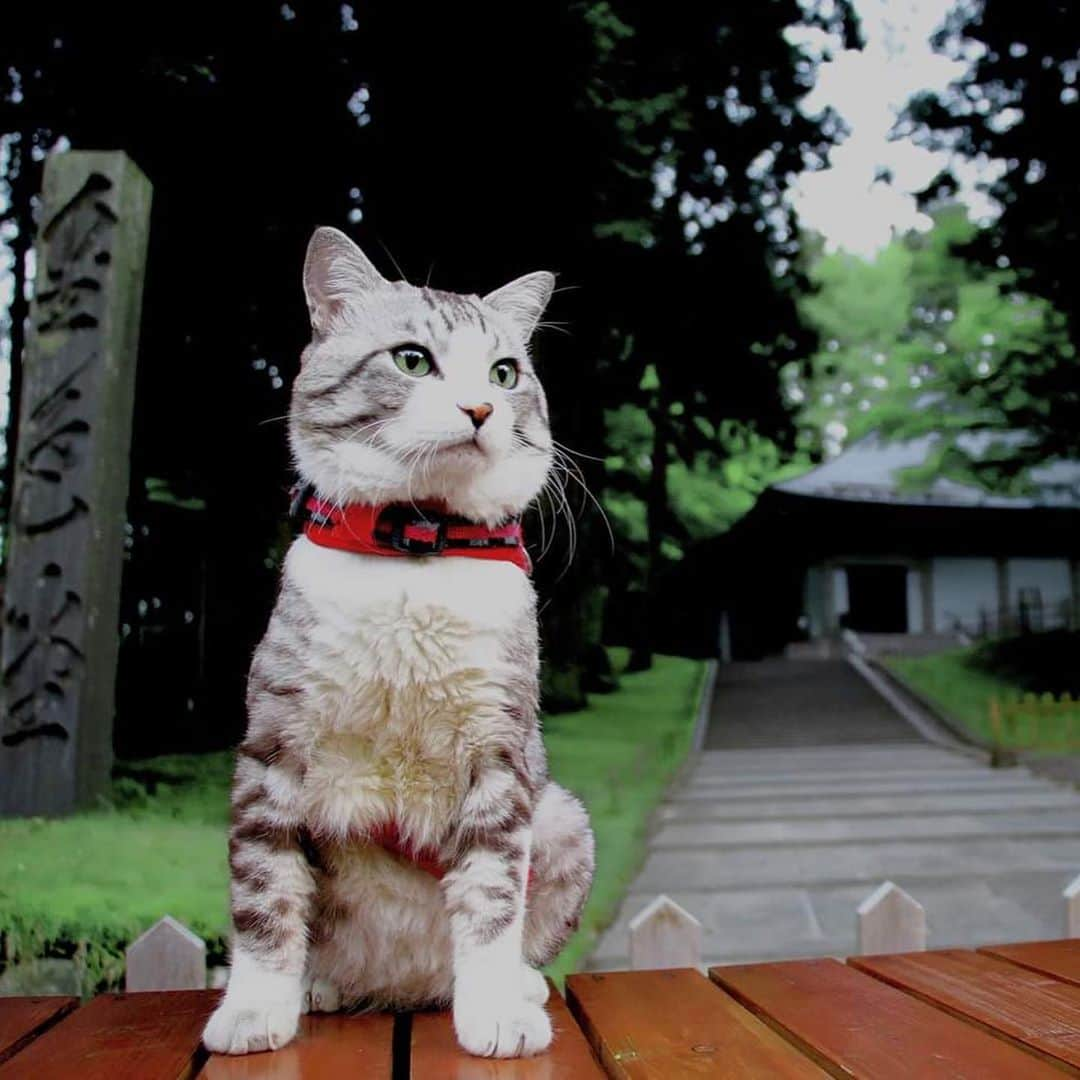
point(1003, 1012)
point(1031, 1010)
point(22, 1019)
point(120, 1035)
point(325, 1046)
point(661, 1024)
point(1061, 959)
point(854, 1025)
point(435, 1053)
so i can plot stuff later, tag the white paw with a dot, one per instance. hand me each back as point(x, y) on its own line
point(321, 996)
point(501, 1027)
point(246, 1029)
point(535, 986)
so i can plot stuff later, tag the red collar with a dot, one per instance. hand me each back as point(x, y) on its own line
point(399, 529)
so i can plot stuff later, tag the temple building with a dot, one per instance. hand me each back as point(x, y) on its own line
point(851, 545)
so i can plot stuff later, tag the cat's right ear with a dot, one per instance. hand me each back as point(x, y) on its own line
point(335, 269)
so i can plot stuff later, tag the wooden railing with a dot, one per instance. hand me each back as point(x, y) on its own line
point(1041, 721)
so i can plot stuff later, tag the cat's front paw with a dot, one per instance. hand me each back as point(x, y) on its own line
point(237, 1028)
point(501, 1026)
point(535, 985)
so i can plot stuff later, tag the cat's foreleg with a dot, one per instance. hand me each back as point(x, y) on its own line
point(272, 888)
point(496, 1012)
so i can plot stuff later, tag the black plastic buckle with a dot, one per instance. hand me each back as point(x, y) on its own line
point(399, 518)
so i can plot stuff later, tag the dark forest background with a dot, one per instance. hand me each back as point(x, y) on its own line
point(639, 150)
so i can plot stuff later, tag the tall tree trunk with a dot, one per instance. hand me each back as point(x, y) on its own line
point(23, 174)
point(656, 513)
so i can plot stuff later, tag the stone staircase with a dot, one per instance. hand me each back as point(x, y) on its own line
point(773, 849)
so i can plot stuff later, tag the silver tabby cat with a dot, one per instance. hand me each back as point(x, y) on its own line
point(404, 690)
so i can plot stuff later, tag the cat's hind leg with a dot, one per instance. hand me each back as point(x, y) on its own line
point(561, 873)
point(321, 996)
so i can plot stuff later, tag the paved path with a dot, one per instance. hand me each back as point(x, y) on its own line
point(799, 703)
point(773, 847)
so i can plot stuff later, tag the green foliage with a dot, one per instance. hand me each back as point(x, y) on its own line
point(952, 682)
point(730, 466)
point(962, 682)
point(921, 340)
point(88, 885)
point(1010, 106)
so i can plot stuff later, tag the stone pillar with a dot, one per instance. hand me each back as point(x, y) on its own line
point(65, 537)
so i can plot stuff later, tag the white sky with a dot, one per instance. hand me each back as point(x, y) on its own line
point(869, 89)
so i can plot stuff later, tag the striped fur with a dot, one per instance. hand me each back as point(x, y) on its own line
point(403, 690)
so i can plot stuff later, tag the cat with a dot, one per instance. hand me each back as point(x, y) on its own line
point(398, 696)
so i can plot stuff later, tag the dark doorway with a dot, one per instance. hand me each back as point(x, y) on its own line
point(877, 599)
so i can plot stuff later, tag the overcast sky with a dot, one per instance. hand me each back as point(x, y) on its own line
point(869, 88)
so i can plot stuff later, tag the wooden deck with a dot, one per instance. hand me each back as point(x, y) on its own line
point(1002, 1011)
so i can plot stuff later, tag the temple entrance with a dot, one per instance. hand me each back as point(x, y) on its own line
point(877, 598)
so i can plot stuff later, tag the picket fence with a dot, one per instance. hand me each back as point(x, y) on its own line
point(1032, 721)
point(662, 935)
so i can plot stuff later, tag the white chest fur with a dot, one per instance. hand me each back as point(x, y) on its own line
point(405, 681)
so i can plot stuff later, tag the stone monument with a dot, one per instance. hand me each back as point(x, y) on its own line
point(65, 536)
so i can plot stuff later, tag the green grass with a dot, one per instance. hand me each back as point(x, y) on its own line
point(619, 755)
point(963, 690)
point(86, 886)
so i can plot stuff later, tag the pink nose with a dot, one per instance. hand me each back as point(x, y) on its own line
point(478, 413)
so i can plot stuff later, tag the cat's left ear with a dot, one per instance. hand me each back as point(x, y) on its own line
point(334, 270)
point(524, 300)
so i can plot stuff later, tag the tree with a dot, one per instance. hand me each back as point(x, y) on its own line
point(701, 280)
point(1014, 106)
point(923, 340)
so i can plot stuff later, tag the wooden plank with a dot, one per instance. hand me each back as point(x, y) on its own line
point(326, 1046)
point(435, 1052)
point(23, 1019)
point(1028, 1009)
point(1061, 959)
point(664, 1024)
point(853, 1025)
point(152, 1036)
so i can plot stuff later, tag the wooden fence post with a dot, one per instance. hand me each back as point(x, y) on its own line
point(1072, 907)
point(168, 956)
point(891, 921)
point(664, 935)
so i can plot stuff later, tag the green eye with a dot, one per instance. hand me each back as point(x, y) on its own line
point(504, 373)
point(413, 360)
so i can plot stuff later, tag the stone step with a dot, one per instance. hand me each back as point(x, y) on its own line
point(853, 863)
point(740, 762)
point(751, 756)
point(944, 777)
point(843, 807)
point(712, 793)
point(716, 836)
point(746, 925)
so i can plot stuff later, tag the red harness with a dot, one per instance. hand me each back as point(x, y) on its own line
point(399, 530)
point(388, 837)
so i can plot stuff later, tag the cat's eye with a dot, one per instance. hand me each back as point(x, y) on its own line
point(413, 360)
point(504, 373)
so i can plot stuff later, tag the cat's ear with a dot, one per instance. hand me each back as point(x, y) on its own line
point(334, 270)
point(524, 299)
